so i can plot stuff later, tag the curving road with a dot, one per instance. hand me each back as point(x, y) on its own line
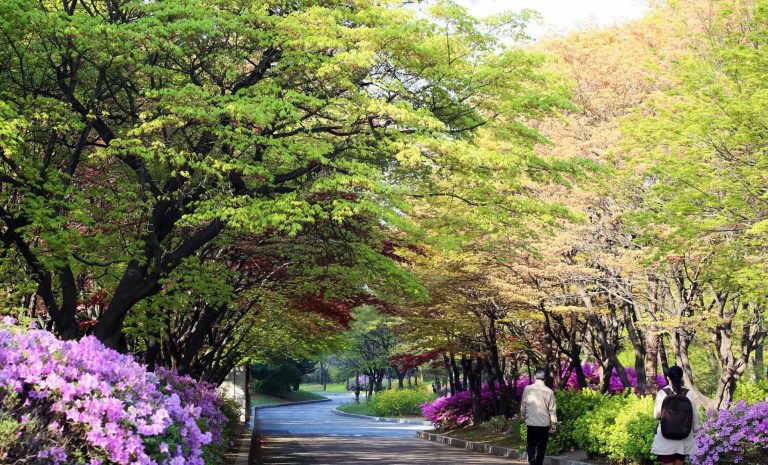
point(313, 434)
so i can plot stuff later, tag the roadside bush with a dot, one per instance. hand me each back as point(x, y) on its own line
point(456, 411)
point(78, 402)
point(738, 435)
point(399, 402)
point(618, 427)
point(448, 413)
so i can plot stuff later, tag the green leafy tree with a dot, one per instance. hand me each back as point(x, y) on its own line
point(135, 132)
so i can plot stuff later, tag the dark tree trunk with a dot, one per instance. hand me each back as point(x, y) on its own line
point(473, 370)
point(455, 370)
point(448, 370)
point(663, 358)
point(581, 380)
point(637, 338)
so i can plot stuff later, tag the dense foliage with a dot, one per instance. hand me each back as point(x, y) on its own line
point(399, 402)
point(172, 171)
point(66, 402)
point(618, 427)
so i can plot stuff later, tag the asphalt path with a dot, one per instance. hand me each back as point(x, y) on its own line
point(313, 434)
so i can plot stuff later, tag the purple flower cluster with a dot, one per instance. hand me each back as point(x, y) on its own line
point(738, 435)
point(592, 374)
point(112, 409)
point(455, 411)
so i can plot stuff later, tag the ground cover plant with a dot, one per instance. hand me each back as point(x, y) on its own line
point(78, 402)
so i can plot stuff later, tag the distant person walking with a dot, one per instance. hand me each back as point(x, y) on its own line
point(676, 411)
point(539, 412)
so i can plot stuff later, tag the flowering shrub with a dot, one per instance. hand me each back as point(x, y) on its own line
point(78, 402)
point(456, 411)
point(738, 435)
point(592, 374)
point(451, 412)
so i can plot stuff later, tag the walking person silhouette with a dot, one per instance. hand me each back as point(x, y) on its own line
point(538, 410)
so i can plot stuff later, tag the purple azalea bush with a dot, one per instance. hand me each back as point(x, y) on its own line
point(79, 402)
point(737, 435)
point(592, 374)
point(455, 411)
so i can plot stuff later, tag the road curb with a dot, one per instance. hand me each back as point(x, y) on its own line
point(402, 421)
point(288, 404)
point(244, 448)
point(492, 450)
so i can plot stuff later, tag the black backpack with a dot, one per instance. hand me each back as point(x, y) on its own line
point(676, 415)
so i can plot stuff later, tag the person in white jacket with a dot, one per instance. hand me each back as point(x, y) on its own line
point(538, 411)
point(674, 451)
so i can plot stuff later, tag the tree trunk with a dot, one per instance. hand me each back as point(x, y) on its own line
point(652, 339)
point(448, 370)
point(581, 380)
point(663, 358)
point(636, 337)
point(473, 370)
point(681, 342)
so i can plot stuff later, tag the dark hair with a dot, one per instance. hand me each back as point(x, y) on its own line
point(675, 377)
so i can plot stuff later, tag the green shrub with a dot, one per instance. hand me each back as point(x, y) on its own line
point(750, 392)
point(631, 436)
point(571, 405)
point(592, 430)
point(618, 427)
point(397, 403)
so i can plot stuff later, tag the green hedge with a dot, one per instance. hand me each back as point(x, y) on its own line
point(618, 427)
point(399, 402)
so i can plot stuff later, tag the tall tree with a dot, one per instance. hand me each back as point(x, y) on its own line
point(134, 133)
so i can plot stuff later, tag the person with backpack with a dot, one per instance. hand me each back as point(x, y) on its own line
point(676, 411)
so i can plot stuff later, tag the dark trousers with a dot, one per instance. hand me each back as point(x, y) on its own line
point(537, 444)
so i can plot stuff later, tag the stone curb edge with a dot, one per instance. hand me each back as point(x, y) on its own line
point(492, 450)
point(288, 404)
point(243, 447)
point(402, 421)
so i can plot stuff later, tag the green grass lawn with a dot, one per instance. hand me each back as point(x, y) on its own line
point(335, 387)
point(351, 407)
point(484, 433)
point(258, 399)
point(363, 408)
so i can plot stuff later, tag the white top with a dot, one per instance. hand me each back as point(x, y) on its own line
point(537, 407)
point(664, 446)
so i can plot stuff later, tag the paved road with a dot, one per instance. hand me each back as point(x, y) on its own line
point(312, 434)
